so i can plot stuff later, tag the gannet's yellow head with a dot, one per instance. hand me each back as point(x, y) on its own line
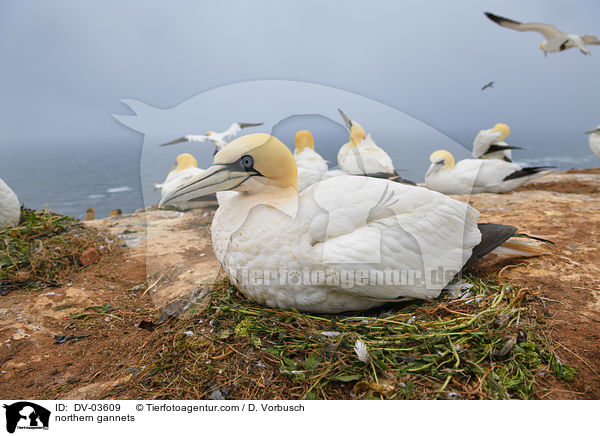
point(503, 129)
point(185, 161)
point(210, 132)
point(249, 164)
point(304, 139)
point(543, 46)
point(442, 158)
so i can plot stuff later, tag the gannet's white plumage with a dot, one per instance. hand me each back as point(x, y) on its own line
point(594, 140)
point(278, 246)
point(489, 143)
point(556, 40)
point(10, 209)
point(219, 139)
point(360, 155)
point(472, 176)
point(311, 166)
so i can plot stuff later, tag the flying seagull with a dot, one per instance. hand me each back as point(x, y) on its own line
point(556, 40)
point(488, 85)
point(217, 138)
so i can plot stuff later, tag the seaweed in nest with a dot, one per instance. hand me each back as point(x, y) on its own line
point(44, 248)
point(488, 344)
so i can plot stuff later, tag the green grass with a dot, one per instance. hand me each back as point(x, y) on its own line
point(486, 346)
point(44, 248)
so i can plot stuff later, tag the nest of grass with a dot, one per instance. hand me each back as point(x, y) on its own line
point(488, 344)
point(45, 248)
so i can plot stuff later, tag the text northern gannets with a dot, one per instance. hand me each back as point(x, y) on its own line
point(471, 176)
point(219, 139)
point(556, 40)
point(594, 140)
point(311, 166)
point(489, 144)
point(10, 209)
point(279, 247)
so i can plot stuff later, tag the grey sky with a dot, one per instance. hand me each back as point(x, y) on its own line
point(66, 64)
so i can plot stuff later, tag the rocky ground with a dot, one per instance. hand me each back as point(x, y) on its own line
point(83, 340)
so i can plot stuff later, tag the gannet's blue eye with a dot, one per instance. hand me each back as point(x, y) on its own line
point(247, 162)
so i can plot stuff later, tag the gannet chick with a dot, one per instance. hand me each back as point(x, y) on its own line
point(489, 144)
point(471, 176)
point(219, 139)
point(594, 140)
point(311, 166)
point(361, 156)
point(90, 214)
point(185, 170)
point(326, 249)
point(556, 40)
point(10, 208)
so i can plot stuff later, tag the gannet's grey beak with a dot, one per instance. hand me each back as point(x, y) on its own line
point(589, 132)
point(219, 177)
point(433, 168)
point(347, 121)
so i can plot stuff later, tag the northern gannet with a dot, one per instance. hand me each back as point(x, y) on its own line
point(594, 140)
point(10, 208)
point(90, 214)
point(218, 139)
point(361, 156)
point(311, 166)
point(472, 176)
point(489, 144)
point(488, 85)
point(322, 250)
point(186, 169)
point(556, 40)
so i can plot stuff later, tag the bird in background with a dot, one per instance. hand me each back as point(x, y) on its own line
point(10, 208)
point(185, 169)
point(594, 140)
point(556, 40)
point(473, 176)
point(488, 85)
point(219, 139)
point(90, 214)
point(115, 213)
point(268, 226)
point(489, 143)
point(361, 156)
point(311, 165)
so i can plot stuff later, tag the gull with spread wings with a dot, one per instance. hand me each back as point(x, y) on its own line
point(556, 40)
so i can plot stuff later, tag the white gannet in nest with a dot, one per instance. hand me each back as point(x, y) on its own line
point(472, 176)
point(489, 144)
point(327, 249)
point(219, 139)
point(556, 40)
point(594, 140)
point(311, 166)
point(186, 169)
point(361, 156)
point(10, 209)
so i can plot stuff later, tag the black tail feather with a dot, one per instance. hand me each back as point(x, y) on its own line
point(492, 236)
point(523, 172)
point(497, 147)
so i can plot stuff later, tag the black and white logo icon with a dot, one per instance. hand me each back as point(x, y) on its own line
point(26, 415)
